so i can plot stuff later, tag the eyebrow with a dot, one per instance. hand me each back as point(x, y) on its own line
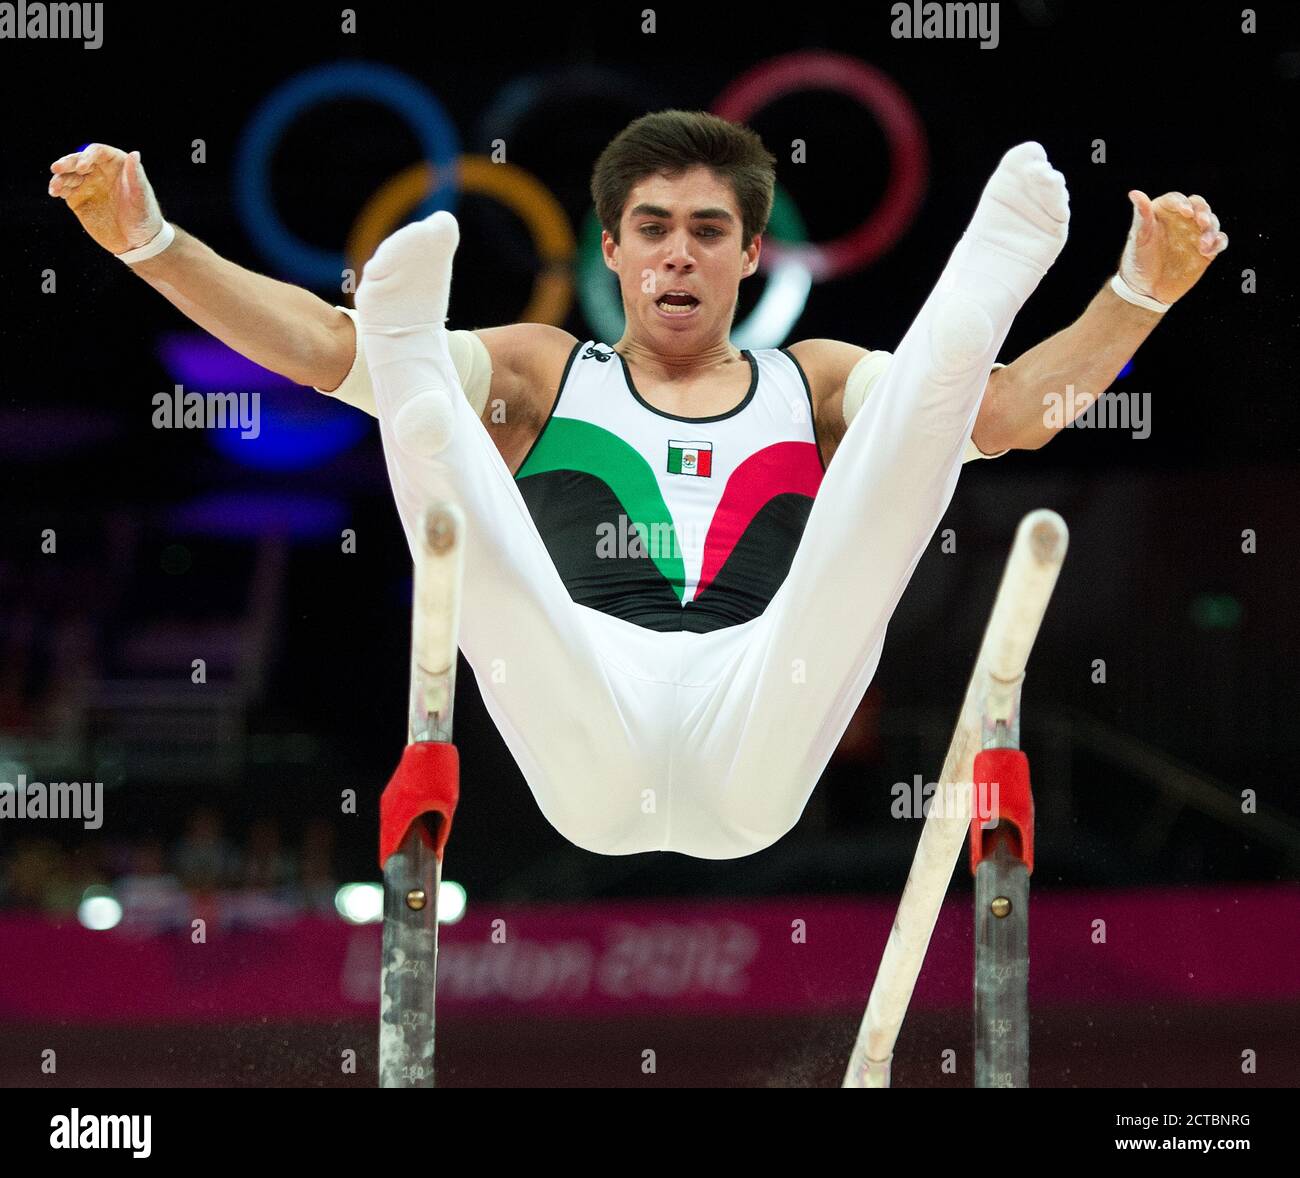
point(644, 210)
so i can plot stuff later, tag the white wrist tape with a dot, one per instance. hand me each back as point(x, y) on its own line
point(469, 353)
point(864, 377)
point(154, 246)
point(1126, 292)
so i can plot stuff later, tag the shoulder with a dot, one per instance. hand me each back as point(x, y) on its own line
point(528, 360)
point(527, 350)
point(826, 357)
point(826, 363)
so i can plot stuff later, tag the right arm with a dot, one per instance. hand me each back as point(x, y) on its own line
point(282, 327)
point(275, 324)
point(279, 326)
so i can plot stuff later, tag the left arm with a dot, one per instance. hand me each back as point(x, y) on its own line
point(1171, 243)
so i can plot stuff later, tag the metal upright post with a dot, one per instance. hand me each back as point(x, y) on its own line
point(1002, 833)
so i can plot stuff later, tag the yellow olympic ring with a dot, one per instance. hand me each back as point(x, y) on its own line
point(519, 190)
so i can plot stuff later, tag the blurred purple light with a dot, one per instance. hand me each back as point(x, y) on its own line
point(299, 428)
point(206, 365)
point(250, 513)
point(35, 433)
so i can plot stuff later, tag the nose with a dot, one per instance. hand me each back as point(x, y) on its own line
point(679, 254)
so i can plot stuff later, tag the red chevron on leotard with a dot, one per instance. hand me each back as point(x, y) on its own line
point(785, 468)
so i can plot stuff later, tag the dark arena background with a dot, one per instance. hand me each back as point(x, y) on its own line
point(1161, 701)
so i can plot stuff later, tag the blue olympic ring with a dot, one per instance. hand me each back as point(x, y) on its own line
point(426, 115)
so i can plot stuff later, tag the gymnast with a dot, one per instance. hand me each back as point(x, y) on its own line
point(672, 604)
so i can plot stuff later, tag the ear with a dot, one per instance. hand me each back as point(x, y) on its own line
point(609, 249)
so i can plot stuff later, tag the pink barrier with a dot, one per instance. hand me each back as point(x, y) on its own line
point(783, 956)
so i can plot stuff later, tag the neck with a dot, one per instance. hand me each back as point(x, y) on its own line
point(679, 365)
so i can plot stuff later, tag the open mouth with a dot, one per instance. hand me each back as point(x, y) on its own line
point(675, 304)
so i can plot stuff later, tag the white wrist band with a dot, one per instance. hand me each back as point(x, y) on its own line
point(1126, 292)
point(161, 240)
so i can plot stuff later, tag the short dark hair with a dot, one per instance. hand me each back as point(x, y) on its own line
point(669, 142)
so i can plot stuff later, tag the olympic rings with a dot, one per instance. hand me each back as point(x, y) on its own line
point(791, 264)
point(381, 83)
point(515, 188)
point(898, 120)
point(778, 308)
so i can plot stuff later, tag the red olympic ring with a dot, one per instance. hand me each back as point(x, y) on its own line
point(898, 119)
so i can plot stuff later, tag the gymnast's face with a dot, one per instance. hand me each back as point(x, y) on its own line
point(680, 233)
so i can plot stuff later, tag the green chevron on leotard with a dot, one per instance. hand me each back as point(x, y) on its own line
point(569, 444)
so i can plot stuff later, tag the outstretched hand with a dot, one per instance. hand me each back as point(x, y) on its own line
point(110, 194)
point(1171, 243)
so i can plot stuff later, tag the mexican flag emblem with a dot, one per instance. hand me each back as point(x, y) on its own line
point(690, 458)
